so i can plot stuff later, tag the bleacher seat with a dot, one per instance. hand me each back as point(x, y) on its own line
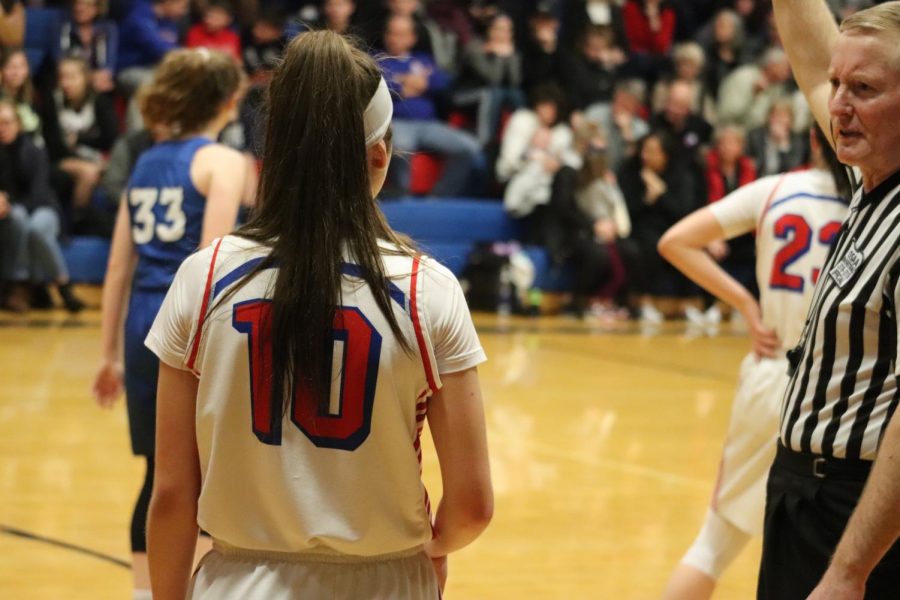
point(86, 258)
point(446, 229)
point(39, 26)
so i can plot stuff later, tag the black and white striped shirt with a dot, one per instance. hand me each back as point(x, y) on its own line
point(844, 384)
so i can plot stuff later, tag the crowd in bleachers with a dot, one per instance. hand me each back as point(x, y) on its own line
point(598, 122)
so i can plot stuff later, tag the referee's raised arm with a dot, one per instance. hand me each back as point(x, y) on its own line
point(809, 33)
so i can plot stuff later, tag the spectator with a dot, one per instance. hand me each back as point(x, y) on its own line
point(727, 169)
point(621, 121)
point(416, 81)
point(774, 147)
point(541, 51)
point(724, 49)
point(650, 27)
point(430, 38)
point(689, 130)
point(491, 77)
point(747, 93)
point(583, 14)
point(150, 30)
point(12, 23)
point(689, 60)
point(16, 87)
point(214, 31)
point(337, 15)
point(658, 193)
point(451, 16)
point(590, 75)
point(263, 46)
point(587, 225)
point(35, 255)
point(536, 144)
point(80, 126)
point(84, 34)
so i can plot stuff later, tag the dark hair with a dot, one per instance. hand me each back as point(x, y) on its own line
point(272, 15)
point(26, 93)
point(549, 92)
point(224, 5)
point(189, 88)
point(315, 201)
point(835, 167)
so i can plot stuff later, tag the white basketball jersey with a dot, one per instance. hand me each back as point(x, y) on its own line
point(292, 479)
point(796, 216)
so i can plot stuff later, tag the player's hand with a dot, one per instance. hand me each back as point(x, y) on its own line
point(765, 341)
point(836, 587)
point(108, 384)
point(718, 249)
point(440, 569)
point(5, 206)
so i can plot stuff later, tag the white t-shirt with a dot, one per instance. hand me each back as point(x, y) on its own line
point(348, 481)
point(796, 216)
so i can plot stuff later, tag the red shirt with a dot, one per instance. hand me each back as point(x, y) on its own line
point(640, 36)
point(715, 180)
point(224, 40)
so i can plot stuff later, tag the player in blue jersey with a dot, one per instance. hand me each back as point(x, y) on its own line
point(183, 193)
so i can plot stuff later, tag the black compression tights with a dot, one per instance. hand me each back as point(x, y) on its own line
point(139, 518)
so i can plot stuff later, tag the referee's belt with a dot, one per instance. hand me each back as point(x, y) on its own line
point(806, 464)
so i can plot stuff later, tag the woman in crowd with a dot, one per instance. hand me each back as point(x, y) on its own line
point(79, 129)
point(16, 87)
point(31, 249)
point(85, 34)
point(658, 194)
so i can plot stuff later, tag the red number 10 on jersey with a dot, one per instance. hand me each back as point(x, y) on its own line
point(347, 422)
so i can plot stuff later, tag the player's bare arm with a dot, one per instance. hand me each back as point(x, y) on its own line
point(122, 258)
point(809, 34)
point(219, 173)
point(456, 419)
point(873, 528)
point(172, 520)
point(684, 245)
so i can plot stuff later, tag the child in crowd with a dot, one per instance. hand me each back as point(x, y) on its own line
point(214, 31)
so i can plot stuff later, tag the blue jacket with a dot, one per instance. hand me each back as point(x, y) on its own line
point(420, 108)
point(144, 37)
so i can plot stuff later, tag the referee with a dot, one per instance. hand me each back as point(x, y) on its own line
point(833, 497)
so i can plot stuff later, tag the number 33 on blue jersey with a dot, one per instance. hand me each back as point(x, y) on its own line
point(145, 224)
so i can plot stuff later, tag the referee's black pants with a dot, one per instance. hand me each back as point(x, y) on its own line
point(806, 513)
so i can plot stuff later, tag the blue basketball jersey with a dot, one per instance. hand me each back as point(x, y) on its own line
point(166, 211)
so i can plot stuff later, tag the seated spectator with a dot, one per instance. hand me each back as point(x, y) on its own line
point(774, 147)
point(727, 169)
point(214, 31)
point(749, 91)
point(491, 77)
point(84, 34)
point(416, 81)
point(80, 126)
point(650, 27)
point(621, 121)
point(541, 52)
point(337, 15)
point(264, 45)
point(724, 49)
point(440, 45)
point(590, 75)
point(451, 16)
point(150, 30)
point(580, 15)
point(536, 144)
point(658, 192)
point(586, 224)
point(12, 23)
point(688, 130)
point(689, 59)
point(33, 253)
point(16, 87)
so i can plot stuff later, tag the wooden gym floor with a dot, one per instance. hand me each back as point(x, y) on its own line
point(604, 450)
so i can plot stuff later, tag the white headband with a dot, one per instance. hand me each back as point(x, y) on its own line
point(377, 117)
